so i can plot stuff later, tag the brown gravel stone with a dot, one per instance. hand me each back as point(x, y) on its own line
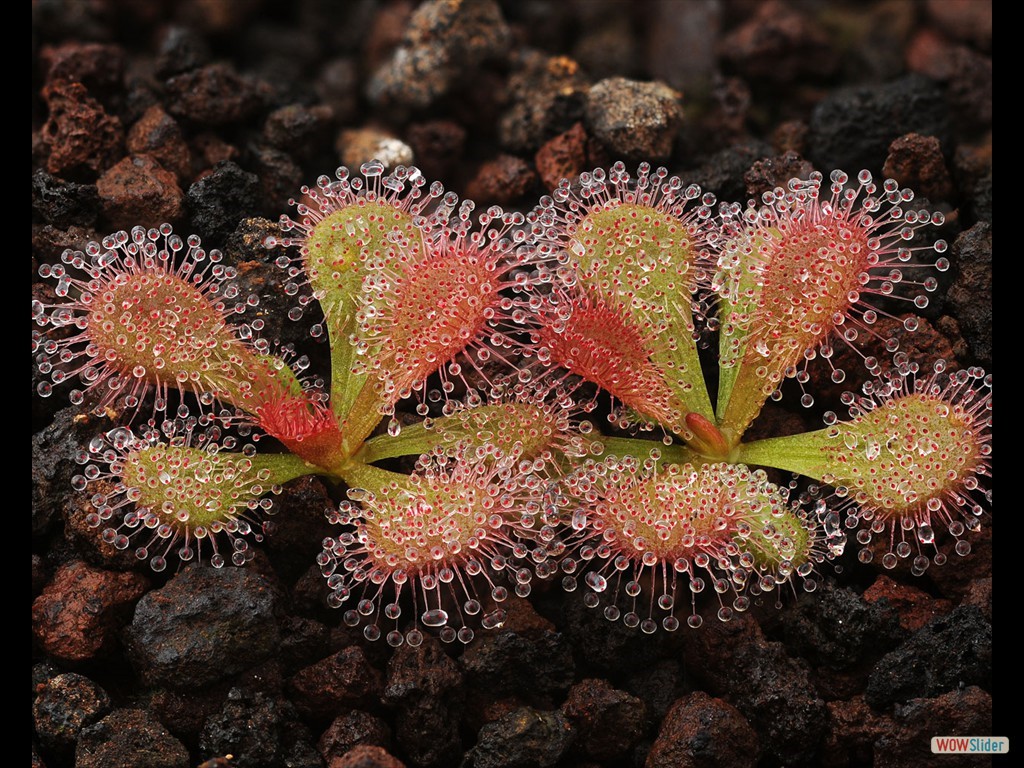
point(907, 745)
point(64, 706)
point(772, 172)
point(503, 180)
point(563, 157)
point(445, 41)
point(635, 120)
point(208, 150)
point(971, 292)
point(97, 66)
point(366, 756)
point(158, 135)
point(931, 54)
point(360, 145)
point(129, 738)
point(83, 139)
point(337, 683)
point(437, 145)
point(608, 722)
point(780, 44)
point(967, 20)
point(338, 87)
point(916, 161)
point(546, 96)
point(78, 615)
point(979, 594)
point(139, 191)
point(853, 730)
point(790, 136)
point(350, 730)
point(703, 732)
point(214, 95)
point(298, 129)
point(915, 607)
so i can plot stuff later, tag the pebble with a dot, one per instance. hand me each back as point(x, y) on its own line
point(524, 738)
point(335, 684)
point(158, 135)
point(635, 120)
point(700, 732)
point(563, 157)
point(546, 97)
point(608, 722)
point(445, 41)
point(215, 95)
point(220, 199)
point(79, 614)
point(259, 731)
point(65, 705)
point(914, 606)
point(129, 738)
point(63, 203)
point(966, 710)
point(781, 45)
point(361, 145)
point(852, 128)
point(505, 179)
point(916, 161)
point(139, 191)
point(971, 292)
point(97, 66)
point(352, 729)
point(366, 756)
point(950, 652)
point(179, 50)
point(203, 626)
point(82, 138)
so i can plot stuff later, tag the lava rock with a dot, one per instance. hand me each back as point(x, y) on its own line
point(916, 161)
point(64, 706)
point(97, 66)
point(338, 87)
point(179, 50)
point(524, 738)
point(701, 732)
point(206, 624)
point(445, 41)
point(139, 191)
point(772, 172)
point(724, 173)
point(608, 722)
point(950, 652)
point(534, 667)
point(330, 686)
point(259, 732)
point(437, 145)
point(780, 45)
point(563, 157)
point(834, 627)
point(352, 729)
point(279, 175)
point(690, 27)
point(366, 756)
point(853, 730)
point(79, 614)
point(635, 120)
point(914, 606)
point(63, 203)
point(852, 128)
point(215, 95)
point(361, 145)
point(129, 738)
point(222, 198)
point(771, 689)
point(82, 138)
point(546, 98)
point(503, 180)
point(426, 685)
point(297, 129)
point(907, 745)
point(158, 135)
point(971, 292)
point(963, 20)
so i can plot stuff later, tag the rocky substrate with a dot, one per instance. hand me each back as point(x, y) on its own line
point(211, 115)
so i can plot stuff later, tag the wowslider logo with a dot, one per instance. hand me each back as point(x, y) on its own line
point(980, 745)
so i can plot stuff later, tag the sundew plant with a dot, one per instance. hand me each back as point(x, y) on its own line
point(559, 395)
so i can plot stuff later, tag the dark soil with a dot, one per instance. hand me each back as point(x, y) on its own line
point(210, 114)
